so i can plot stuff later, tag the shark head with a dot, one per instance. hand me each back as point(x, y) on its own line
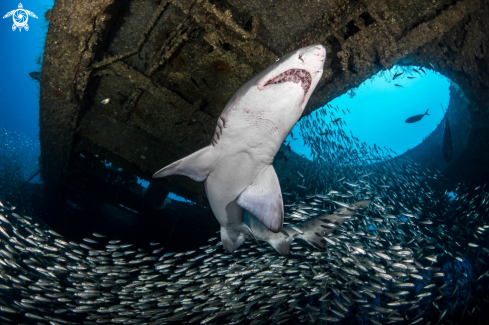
point(300, 70)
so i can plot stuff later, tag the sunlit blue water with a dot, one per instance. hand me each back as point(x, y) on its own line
point(19, 93)
point(378, 110)
point(171, 195)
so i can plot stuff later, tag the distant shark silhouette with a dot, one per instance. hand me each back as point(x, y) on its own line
point(237, 165)
point(447, 147)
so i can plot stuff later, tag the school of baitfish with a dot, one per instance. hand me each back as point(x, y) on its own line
point(414, 255)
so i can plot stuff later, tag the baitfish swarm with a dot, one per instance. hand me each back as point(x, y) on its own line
point(414, 256)
point(407, 268)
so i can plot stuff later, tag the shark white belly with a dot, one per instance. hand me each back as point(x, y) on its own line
point(237, 166)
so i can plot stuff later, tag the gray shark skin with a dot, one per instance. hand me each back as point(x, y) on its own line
point(237, 166)
point(311, 231)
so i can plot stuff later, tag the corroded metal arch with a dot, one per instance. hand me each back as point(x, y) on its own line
point(170, 66)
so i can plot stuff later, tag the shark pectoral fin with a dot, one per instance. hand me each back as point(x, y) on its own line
point(196, 166)
point(231, 239)
point(263, 199)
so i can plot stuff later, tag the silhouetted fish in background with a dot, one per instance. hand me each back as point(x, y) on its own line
point(35, 75)
point(416, 118)
point(447, 141)
point(397, 75)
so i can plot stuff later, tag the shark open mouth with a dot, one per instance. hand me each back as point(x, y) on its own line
point(294, 75)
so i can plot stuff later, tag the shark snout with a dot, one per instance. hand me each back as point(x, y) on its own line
point(314, 56)
point(320, 51)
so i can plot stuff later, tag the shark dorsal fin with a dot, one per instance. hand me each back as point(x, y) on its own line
point(263, 199)
point(196, 166)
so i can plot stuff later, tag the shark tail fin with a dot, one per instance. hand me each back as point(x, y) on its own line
point(196, 166)
point(316, 229)
point(314, 239)
point(427, 112)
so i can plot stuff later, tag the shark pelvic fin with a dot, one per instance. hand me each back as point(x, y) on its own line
point(263, 199)
point(234, 237)
point(281, 244)
point(279, 241)
point(196, 166)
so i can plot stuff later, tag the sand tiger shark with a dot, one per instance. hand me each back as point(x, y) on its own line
point(237, 167)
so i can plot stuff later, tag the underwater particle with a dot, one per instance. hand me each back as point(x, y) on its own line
point(57, 92)
point(105, 101)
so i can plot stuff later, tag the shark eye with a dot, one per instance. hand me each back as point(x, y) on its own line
point(277, 60)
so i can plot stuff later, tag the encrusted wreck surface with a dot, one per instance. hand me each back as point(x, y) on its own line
point(169, 68)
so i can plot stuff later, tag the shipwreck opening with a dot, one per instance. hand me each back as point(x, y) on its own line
point(376, 111)
point(369, 126)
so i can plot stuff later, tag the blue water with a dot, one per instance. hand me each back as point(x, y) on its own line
point(378, 110)
point(19, 93)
